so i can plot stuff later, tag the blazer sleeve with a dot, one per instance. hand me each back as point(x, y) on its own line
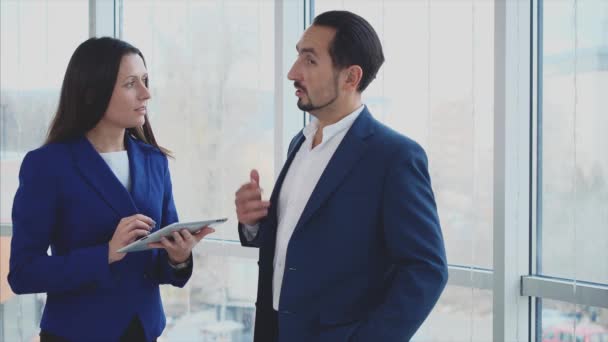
point(168, 275)
point(257, 241)
point(245, 241)
point(35, 213)
point(415, 245)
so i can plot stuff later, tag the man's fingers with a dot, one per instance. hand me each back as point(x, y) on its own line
point(244, 187)
point(255, 205)
point(249, 186)
point(254, 176)
point(254, 216)
point(248, 195)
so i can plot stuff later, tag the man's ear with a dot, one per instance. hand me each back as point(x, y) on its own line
point(354, 73)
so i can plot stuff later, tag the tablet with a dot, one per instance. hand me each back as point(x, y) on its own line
point(142, 243)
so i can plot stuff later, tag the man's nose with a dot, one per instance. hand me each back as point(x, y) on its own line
point(293, 74)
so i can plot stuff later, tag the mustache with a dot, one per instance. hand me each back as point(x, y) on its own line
point(299, 85)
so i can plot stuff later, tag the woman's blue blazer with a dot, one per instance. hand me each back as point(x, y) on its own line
point(69, 199)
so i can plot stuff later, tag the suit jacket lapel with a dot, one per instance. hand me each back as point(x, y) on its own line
point(274, 198)
point(349, 151)
point(98, 174)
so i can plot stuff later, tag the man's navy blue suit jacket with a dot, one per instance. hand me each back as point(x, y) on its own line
point(366, 261)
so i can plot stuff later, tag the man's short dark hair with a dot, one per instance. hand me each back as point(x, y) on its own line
point(355, 43)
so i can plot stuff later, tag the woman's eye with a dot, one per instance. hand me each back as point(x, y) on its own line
point(130, 84)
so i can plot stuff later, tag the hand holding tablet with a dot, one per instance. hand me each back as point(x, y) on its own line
point(167, 231)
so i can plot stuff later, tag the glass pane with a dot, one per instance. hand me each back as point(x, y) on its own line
point(212, 80)
point(36, 43)
point(20, 318)
point(216, 305)
point(462, 314)
point(437, 87)
point(574, 187)
point(569, 322)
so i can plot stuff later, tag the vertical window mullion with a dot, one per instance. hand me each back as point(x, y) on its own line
point(289, 25)
point(102, 18)
point(511, 169)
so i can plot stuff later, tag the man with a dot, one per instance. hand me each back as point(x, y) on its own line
point(350, 243)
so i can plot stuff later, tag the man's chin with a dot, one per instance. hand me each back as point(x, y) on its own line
point(304, 106)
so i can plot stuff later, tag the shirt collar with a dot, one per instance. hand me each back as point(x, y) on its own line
point(332, 130)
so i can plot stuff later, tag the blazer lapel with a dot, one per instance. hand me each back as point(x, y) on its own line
point(98, 174)
point(349, 151)
point(139, 164)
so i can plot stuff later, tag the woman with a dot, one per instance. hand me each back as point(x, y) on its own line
point(99, 182)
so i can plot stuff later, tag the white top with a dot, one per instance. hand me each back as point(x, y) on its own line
point(119, 164)
point(302, 177)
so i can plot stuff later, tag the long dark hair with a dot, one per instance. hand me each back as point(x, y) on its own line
point(87, 88)
point(355, 43)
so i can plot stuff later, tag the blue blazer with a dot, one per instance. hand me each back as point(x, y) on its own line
point(366, 261)
point(69, 199)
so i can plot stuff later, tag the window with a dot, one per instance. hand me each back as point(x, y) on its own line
point(212, 80)
point(559, 318)
point(35, 45)
point(211, 75)
point(572, 241)
point(217, 304)
point(462, 314)
point(574, 161)
point(512, 122)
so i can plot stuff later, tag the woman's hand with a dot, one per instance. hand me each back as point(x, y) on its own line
point(128, 230)
point(181, 244)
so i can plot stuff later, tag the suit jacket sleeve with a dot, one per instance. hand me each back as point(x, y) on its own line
point(245, 242)
point(415, 245)
point(257, 241)
point(35, 213)
point(169, 215)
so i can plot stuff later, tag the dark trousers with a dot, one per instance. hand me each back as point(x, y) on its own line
point(134, 333)
point(266, 326)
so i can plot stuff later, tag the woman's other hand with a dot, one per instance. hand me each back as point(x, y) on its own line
point(181, 244)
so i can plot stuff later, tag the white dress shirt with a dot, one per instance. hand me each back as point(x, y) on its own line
point(119, 164)
point(301, 178)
